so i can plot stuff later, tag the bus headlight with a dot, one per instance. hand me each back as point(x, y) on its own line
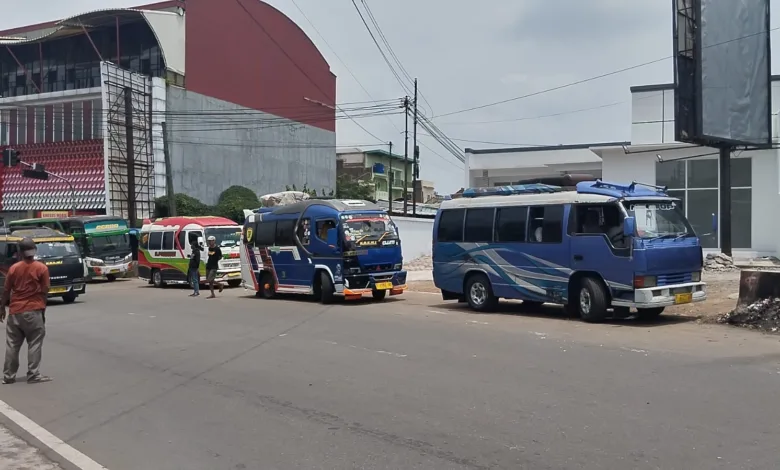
point(644, 281)
point(398, 266)
point(696, 277)
point(92, 262)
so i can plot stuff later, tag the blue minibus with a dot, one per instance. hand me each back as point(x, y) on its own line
point(322, 247)
point(602, 247)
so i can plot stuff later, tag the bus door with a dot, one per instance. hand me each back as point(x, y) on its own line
point(194, 235)
point(303, 235)
point(598, 245)
point(323, 253)
point(289, 265)
point(545, 254)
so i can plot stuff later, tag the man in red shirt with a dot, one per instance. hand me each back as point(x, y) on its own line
point(25, 292)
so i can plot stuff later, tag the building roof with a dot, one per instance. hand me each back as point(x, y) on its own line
point(168, 28)
point(545, 148)
point(374, 152)
point(34, 30)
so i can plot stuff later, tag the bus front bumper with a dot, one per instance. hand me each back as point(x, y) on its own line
point(665, 296)
point(78, 287)
point(118, 270)
point(358, 285)
point(226, 276)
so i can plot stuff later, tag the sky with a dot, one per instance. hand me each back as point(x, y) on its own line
point(467, 54)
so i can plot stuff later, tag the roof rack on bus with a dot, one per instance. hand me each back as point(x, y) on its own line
point(511, 190)
point(634, 189)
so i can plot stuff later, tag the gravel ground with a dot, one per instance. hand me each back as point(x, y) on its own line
point(16, 454)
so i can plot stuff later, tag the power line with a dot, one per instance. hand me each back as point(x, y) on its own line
point(590, 79)
point(338, 57)
point(296, 64)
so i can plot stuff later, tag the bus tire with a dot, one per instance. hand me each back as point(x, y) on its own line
point(234, 283)
point(479, 293)
point(69, 298)
point(649, 313)
point(157, 279)
point(267, 286)
point(111, 277)
point(327, 291)
point(378, 294)
point(592, 300)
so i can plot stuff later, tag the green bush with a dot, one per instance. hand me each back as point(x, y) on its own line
point(234, 200)
point(186, 206)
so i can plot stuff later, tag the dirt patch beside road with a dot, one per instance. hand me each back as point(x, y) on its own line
point(722, 290)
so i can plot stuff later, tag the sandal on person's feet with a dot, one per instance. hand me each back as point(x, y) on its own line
point(7, 381)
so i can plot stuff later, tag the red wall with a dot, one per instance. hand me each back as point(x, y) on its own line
point(231, 58)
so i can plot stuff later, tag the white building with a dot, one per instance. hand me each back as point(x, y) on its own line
point(755, 175)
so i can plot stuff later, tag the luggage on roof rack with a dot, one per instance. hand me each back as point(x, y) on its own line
point(511, 190)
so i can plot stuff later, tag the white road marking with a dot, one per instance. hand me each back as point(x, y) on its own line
point(439, 312)
point(635, 350)
point(368, 350)
point(48, 439)
point(283, 334)
point(479, 322)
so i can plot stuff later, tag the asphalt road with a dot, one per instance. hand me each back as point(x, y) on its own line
point(151, 379)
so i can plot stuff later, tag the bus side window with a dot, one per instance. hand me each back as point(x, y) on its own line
point(451, 225)
point(479, 225)
point(12, 253)
point(181, 239)
point(546, 224)
point(511, 224)
point(303, 231)
point(265, 232)
point(3, 254)
point(285, 233)
point(155, 241)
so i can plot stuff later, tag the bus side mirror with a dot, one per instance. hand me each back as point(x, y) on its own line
point(629, 226)
point(333, 237)
point(714, 223)
point(200, 242)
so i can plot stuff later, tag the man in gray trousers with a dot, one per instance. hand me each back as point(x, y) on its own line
point(25, 293)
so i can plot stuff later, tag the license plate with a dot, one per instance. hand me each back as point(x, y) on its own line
point(683, 298)
point(58, 290)
point(234, 274)
point(384, 285)
point(113, 271)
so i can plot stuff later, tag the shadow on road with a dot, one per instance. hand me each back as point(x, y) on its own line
point(557, 312)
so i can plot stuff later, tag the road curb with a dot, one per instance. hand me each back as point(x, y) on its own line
point(24, 428)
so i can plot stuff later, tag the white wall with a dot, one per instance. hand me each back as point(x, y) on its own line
point(416, 236)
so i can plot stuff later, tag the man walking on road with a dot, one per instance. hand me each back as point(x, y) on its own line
point(194, 269)
point(25, 292)
point(212, 264)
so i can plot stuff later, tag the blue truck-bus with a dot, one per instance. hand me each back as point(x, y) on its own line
point(601, 247)
point(322, 247)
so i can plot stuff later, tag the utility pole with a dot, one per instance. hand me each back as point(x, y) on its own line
point(130, 151)
point(390, 180)
point(406, 153)
point(416, 157)
point(168, 173)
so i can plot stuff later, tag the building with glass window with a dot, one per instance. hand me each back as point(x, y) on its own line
point(243, 95)
point(690, 172)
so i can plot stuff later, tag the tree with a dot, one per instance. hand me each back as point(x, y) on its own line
point(186, 206)
point(347, 188)
point(234, 200)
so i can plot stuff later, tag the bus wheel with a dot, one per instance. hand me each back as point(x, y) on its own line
point(326, 288)
point(111, 278)
point(69, 298)
point(378, 294)
point(267, 286)
point(157, 278)
point(234, 283)
point(649, 313)
point(592, 300)
point(479, 293)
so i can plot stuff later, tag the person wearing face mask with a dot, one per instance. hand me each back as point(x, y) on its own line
point(26, 288)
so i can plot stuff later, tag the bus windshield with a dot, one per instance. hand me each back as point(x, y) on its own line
point(226, 236)
point(657, 219)
point(56, 249)
point(369, 230)
point(110, 243)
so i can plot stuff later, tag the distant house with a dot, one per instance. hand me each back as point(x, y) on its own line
point(377, 167)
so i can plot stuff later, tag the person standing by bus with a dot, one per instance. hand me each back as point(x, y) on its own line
point(193, 272)
point(26, 288)
point(212, 265)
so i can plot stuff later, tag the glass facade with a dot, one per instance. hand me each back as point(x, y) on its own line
point(696, 183)
point(71, 63)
